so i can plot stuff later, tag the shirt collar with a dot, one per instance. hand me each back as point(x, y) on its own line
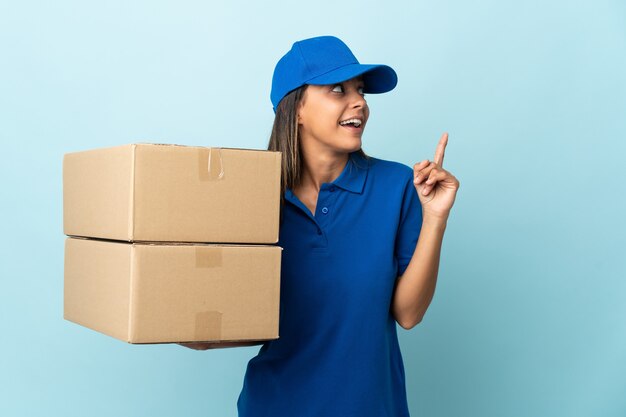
point(354, 174)
point(352, 178)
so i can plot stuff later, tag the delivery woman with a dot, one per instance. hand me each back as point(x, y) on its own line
point(361, 240)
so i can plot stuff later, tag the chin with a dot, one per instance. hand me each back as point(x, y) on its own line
point(347, 145)
point(356, 146)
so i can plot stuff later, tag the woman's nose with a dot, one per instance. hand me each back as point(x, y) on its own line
point(357, 99)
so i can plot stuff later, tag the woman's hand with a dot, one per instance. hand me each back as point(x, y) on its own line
point(199, 345)
point(212, 345)
point(436, 187)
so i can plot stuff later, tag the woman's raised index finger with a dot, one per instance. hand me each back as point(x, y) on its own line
point(441, 148)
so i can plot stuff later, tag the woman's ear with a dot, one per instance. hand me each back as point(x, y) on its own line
point(298, 109)
point(301, 104)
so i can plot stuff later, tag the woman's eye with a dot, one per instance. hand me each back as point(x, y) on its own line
point(361, 90)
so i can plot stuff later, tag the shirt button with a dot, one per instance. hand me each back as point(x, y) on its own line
point(325, 210)
point(332, 188)
point(319, 231)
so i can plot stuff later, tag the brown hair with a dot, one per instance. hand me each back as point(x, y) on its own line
point(285, 138)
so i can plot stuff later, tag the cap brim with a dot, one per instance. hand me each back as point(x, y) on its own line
point(377, 78)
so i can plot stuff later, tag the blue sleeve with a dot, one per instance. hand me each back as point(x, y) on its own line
point(409, 226)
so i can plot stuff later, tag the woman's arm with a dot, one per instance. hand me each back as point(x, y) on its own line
point(436, 189)
point(416, 286)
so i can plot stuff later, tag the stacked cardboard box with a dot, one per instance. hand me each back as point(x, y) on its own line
point(170, 243)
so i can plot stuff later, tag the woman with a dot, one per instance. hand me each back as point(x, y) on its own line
point(352, 263)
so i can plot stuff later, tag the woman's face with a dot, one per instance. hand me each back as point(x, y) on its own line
point(324, 107)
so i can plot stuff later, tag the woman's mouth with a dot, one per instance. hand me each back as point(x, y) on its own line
point(353, 125)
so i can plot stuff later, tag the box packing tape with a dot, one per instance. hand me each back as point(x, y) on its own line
point(208, 257)
point(208, 324)
point(207, 161)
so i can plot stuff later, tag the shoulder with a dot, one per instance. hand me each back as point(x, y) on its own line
point(387, 168)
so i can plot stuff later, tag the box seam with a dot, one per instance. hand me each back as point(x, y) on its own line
point(130, 294)
point(131, 211)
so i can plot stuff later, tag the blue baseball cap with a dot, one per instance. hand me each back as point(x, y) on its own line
point(326, 60)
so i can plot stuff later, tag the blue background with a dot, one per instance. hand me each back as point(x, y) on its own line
point(529, 317)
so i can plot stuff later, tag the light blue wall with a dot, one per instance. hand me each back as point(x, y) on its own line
point(529, 317)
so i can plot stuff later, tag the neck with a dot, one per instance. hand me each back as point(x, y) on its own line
point(320, 167)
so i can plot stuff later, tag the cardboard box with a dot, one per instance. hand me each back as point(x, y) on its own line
point(172, 193)
point(164, 293)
